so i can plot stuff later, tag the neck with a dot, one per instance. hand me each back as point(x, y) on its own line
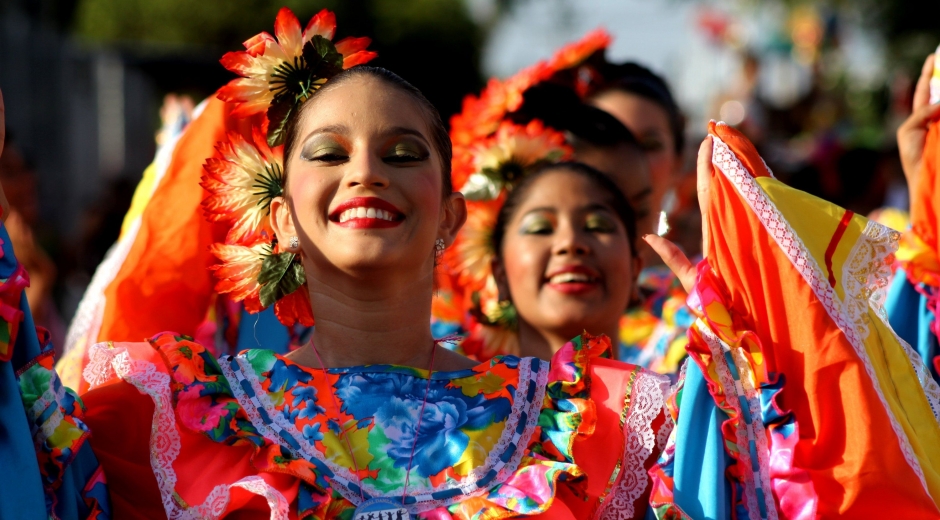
point(544, 343)
point(370, 322)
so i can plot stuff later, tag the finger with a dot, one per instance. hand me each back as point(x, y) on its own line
point(703, 184)
point(922, 91)
point(920, 117)
point(674, 258)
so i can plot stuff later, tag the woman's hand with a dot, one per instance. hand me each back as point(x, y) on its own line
point(672, 256)
point(4, 205)
point(912, 134)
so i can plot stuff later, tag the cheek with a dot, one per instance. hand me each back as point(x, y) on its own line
point(614, 257)
point(525, 260)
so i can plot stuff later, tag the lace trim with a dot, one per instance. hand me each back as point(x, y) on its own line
point(165, 444)
point(746, 433)
point(99, 368)
point(867, 274)
point(796, 251)
point(646, 396)
point(425, 502)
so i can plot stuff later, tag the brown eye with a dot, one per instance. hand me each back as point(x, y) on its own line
point(324, 151)
point(536, 225)
point(406, 152)
point(598, 223)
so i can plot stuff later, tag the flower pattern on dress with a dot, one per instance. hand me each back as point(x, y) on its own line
point(503, 412)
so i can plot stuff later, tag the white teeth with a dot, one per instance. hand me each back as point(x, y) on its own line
point(570, 278)
point(362, 212)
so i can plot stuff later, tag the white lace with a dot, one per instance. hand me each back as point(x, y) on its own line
point(467, 485)
point(778, 227)
point(86, 324)
point(165, 443)
point(646, 403)
point(866, 272)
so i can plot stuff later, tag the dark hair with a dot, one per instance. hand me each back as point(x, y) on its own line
point(440, 139)
point(561, 108)
point(615, 198)
point(634, 78)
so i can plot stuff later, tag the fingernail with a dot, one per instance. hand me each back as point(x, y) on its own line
point(646, 235)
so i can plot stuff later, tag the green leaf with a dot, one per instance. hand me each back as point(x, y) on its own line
point(280, 275)
point(322, 59)
point(278, 112)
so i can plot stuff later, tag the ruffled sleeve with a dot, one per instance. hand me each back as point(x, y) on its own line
point(49, 469)
point(819, 403)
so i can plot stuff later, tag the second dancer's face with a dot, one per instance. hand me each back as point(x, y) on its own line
point(566, 259)
point(364, 187)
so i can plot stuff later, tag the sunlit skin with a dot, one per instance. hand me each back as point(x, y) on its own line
point(649, 122)
point(366, 143)
point(563, 225)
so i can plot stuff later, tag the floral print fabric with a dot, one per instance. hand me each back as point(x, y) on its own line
point(496, 438)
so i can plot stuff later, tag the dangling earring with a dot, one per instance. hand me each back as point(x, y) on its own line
point(439, 250)
point(293, 242)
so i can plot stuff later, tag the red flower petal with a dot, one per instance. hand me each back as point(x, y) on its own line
point(287, 31)
point(255, 45)
point(322, 24)
point(352, 45)
point(358, 58)
point(295, 308)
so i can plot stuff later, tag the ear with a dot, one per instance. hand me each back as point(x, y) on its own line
point(502, 282)
point(282, 222)
point(453, 217)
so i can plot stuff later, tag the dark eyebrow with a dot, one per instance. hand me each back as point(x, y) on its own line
point(396, 131)
point(329, 129)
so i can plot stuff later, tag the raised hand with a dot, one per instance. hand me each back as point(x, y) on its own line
point(912, 134)
point(672, 256)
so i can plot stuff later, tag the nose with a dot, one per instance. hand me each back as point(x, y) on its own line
point(570, 240)
point(366, 170)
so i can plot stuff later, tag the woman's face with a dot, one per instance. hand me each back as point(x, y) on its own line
point(628, 168)
point(649, 122)
point(566, 260)
point(364, 188)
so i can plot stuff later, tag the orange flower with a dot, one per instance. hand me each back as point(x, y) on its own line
point(295, 308)
point(238, 272)
point(288, 67)
point(576, 53)
point(472, 254)
point(242, 179)
point(501, 161)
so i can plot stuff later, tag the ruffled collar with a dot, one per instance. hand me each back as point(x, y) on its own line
point(495, 437)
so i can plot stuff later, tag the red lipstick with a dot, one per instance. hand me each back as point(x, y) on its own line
point(366, 213)
point(573, 279)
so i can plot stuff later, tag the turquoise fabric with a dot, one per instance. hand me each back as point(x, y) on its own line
point(700, 453)
point(911, 319)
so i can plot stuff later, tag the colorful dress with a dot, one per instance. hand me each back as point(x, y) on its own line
point(48, 468)
point(258, 435)
point(799, 401)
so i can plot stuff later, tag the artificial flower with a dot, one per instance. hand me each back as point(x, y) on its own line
point(502, 160)
point(576, 53)
point(472, 253)
point(282, 71)
point(238, 273)
point(242, 179)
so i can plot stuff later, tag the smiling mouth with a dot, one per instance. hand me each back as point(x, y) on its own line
point(572, 278)
point(367, 212)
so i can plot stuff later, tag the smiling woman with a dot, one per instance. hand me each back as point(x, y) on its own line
point(340, 206)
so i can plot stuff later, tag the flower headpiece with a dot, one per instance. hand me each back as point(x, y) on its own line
point(279, 73)
point(491, 155)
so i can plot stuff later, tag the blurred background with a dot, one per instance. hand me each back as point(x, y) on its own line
point(819, 86)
